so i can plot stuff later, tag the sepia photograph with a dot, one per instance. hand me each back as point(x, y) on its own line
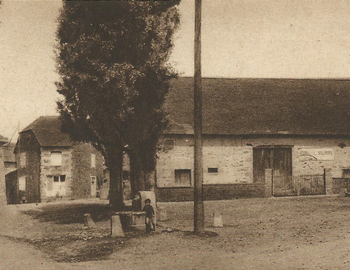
point(174, 135)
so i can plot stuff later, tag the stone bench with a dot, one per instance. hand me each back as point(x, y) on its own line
point(132, 219)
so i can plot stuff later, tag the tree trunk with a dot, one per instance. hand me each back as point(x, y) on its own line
point(116, 182)
point(133, 177)
point(141, 179)
point(136, 174)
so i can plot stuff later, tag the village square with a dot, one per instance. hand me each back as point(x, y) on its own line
point(122, 148)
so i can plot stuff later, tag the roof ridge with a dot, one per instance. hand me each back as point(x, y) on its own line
point(47, 131)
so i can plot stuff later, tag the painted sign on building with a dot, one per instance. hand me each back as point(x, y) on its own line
point(317, 154)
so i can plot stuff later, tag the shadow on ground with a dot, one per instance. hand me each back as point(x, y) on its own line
point(69, 214)
point(65, 239)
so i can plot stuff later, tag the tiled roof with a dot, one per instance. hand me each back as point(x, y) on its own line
point(47, 131)
point(262, 106)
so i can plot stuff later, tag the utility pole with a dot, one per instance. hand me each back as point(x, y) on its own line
point(198, 151)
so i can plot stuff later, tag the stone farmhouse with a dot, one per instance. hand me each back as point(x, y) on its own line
point(51, 165)
point(261, 138)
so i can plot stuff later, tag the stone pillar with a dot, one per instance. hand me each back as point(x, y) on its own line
point(268, 183)
point(116, 227)
point(88, 222)
point(217, 220)
point(328, 181)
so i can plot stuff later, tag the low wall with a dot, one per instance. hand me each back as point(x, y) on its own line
point(212, 192)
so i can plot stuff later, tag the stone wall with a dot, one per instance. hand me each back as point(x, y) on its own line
point(212, 192)
point(233, 161)
point(49, 188)
point(228, 160)
point(29, 168)
point(76, 168)
point(82, 170)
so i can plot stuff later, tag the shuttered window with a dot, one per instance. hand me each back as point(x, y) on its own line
point(183, 178)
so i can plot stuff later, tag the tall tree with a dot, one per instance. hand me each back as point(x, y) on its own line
point(112, 59)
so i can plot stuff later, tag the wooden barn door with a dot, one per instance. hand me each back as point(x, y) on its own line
point(279, 159)
point(282, 179)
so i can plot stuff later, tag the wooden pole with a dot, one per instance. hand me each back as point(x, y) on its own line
point(198, 152)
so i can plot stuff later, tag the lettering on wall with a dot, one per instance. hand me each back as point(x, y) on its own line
point(316, 154)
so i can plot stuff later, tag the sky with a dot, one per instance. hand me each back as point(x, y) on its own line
point(250, 38)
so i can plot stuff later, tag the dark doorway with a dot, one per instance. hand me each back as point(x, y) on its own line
point(279, 159)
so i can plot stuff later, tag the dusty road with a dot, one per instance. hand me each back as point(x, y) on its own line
point(276, 233)
point(15, 255)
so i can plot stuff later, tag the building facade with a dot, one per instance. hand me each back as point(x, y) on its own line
point(51, 166)
point(261, 138)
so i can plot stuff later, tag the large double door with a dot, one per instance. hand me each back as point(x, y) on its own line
point(279, 160)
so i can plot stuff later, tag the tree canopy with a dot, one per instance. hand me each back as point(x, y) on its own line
point(112, 58)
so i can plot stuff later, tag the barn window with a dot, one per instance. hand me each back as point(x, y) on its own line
point(168, 144)
point(56, 158)
point(183, 178)
point(213, 170)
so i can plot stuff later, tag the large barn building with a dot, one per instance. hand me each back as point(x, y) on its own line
point(261, 138)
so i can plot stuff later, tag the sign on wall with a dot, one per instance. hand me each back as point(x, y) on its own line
point(317, 154)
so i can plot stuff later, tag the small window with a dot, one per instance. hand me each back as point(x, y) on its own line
point(56, 158)
point(183, 178)
point(168, 144)
point(62, 178)
point(93, 161)
point(93, 179)
point(23, 159)
point(59, 178)
point(213, 170)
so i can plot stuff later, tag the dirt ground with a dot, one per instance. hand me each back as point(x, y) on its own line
point(274, 233)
